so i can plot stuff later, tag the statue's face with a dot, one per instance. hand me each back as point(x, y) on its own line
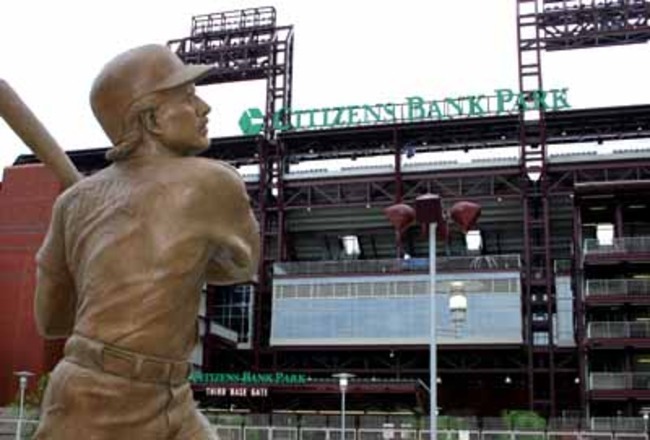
point(182, 123)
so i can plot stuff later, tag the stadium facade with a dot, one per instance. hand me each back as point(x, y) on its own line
point(558, 293)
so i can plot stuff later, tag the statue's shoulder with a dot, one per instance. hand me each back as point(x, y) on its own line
point(82, 188)
point(212, 171)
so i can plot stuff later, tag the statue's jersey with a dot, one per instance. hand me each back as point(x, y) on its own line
point(138, 239)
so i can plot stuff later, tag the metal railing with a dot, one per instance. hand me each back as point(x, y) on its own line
point(392, 433)
point(392, 266)
point(618, 424)
point(619, 381)
point(317, 425)
point(629, 287)
point(621, 245)
point(600, 428)
point(613, 329)
point(9, 426)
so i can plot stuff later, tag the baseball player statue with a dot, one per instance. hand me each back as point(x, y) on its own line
point(128, 251)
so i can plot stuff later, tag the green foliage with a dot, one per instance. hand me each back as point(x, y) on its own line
point(450, 423)
point(226, 419)
point(524, 420)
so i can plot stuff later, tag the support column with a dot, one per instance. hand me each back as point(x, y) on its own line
point(618, 220)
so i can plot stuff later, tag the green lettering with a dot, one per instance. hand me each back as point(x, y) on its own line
point(296, 117)
point(326, 122)
point(435, 111)
point(196, 377)
point(312, 122)
point(415, 108)
point(533, 100)
point(475, 108)
point(560, 99)
point(538, 98)
point(456, 104)
point(338, 118)
point(390, 110)
point(503, 96)
point(522, 102)
point(353, 114)
point(373, 111)
point(278, 120)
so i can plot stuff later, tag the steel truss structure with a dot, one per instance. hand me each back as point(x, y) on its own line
point(554, 25)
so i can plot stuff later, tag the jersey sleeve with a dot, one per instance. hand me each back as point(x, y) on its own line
point(234, 232)
point(55, 296)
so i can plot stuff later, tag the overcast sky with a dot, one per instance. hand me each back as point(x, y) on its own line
point(346, 52)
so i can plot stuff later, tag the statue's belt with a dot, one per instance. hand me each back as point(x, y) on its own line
point(96, 355)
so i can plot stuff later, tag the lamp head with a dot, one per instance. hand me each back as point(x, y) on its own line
point(428, 209)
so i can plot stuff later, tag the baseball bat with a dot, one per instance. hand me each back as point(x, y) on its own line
point(32, 132)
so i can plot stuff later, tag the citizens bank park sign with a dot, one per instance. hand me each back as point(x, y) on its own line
point(244, 384)
point(415, 109)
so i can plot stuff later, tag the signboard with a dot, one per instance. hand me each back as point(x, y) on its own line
point(248, 378)
point(234, 391)
point(243, 384)
point(414, 109)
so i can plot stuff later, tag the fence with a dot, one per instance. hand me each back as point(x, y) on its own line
point(619, 381)
point(621, 245)
point(618, 428)
point(394, 266)
point(8, 427)
point(620, 329)
point(631, 287)
point(391, 433)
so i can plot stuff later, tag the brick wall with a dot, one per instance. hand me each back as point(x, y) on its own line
point(26, 197)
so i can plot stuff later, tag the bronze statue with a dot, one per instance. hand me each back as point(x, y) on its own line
point(128, 251)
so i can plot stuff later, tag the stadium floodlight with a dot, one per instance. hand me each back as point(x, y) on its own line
point(605, 234)
point(473, 240)
point(534, 176)
point(351, 247)
point(457, 303)
point(275, 189)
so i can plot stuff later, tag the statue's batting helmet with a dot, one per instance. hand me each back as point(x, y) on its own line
point(132, 75)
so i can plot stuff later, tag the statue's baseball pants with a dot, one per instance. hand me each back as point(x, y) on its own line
point(85, 404)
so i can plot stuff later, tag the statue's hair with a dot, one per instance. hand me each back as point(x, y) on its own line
point(133, 127)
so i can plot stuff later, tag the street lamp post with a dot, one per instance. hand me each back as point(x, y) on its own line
point(343, 386)
point(23, 377)
point(428, 211)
